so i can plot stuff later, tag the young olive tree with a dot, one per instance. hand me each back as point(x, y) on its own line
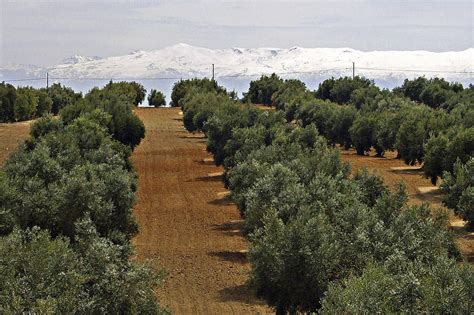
point(156, 98)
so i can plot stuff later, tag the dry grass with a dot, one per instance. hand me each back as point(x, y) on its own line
point(11, 135)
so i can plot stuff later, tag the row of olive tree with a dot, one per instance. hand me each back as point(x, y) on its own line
point(117, 100)
point(66, 199)
point(433, 137)
point(378, 114)
point(24, 103)
point(318, 236)
point(183, 87)
point(435, 92)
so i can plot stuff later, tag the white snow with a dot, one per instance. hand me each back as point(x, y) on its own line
point(78, 58)
point(236, 67)
point(183, 60)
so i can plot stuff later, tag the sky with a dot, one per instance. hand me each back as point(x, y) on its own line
point(43, 32)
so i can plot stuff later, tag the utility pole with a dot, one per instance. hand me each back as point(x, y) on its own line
point(212, 72)
point(47, 80)
point(353, 70)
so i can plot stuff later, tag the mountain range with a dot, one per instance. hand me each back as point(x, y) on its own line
point(235, 67)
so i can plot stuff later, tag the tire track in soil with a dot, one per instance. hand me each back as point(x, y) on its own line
point(185, 226)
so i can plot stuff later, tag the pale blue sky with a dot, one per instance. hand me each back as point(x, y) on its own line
point(44, 32)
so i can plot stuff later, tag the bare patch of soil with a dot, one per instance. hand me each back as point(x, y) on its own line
point(11, 135)
point(187, 224)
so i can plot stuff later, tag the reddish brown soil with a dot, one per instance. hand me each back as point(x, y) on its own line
point(413, 178)
point(185, 224)
point(11, 135)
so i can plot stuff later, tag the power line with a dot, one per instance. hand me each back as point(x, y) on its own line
point(88, 79)
point(416, 70)
point(19, 80)
point(282, 73)
point(319, 71)
point(115, 78)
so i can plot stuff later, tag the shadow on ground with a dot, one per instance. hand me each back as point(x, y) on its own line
point(408, 171)
point(239, 293)
point(432, 196)
point(206, 178)
point(198, 137)
point(225, 201)
point(229, 226)
point(232, 256)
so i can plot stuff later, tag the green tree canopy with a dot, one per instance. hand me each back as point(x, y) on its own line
point(156, 98)
point(261, 90)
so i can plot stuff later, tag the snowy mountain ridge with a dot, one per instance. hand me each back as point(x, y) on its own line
point(78, 59)
point(186, 60)
point(236, 67)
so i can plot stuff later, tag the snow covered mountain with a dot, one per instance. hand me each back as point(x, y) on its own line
point(78, 58)
point(236, 67)
point(183, 60)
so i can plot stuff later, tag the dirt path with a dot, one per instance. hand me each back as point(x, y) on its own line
point(185, 226)
point(385, 167)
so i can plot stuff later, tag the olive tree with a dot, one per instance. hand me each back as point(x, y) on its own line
point(412, 134)
point(362, 134)
point(443, 150)
point(397, 286)
point(459, 189)
point(25, 104)
point(68, 173)
point(88, 275)
point(7, 102)
point(156, 98)
point(62, 96)
point(184, 87)
point(261, 90)
point(45, 103)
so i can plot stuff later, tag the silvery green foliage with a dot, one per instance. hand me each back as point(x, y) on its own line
point(404, 286)
point(91, 275)
point(311, 226)
point(156, 98)
point(57, 178)
point(459, 189)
